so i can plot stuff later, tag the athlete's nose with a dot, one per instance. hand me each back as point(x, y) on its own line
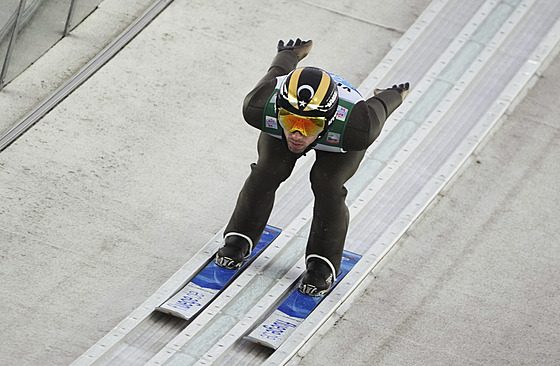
point(298, 135)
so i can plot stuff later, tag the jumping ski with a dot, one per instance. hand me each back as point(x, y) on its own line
point(292, 311)
point(210, 281)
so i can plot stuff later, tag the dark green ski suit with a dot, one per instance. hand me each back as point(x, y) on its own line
point(330, 170)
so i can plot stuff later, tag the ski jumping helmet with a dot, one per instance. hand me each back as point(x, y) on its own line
point(307, 101)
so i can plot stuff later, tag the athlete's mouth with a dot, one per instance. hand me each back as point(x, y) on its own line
point(296, 145)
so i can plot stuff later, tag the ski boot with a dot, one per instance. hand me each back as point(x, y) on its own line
point(236, 249)
point(318, 278)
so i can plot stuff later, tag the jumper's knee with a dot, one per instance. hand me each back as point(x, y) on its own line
point(324, 184)
point(269, 175)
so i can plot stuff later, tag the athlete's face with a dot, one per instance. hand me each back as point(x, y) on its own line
point(297, 142)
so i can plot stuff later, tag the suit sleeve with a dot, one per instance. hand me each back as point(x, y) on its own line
point(367, 119)
point(255, 102)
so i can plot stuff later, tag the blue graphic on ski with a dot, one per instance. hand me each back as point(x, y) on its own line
point(279, 325)
point(210, 281)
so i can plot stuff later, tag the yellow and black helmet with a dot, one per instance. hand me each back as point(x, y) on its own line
point(309, 92)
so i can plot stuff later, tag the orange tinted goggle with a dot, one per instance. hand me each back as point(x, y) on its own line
point(307, 126)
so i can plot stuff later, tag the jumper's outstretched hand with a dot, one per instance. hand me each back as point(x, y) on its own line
point(403, 89)
point(301, 48)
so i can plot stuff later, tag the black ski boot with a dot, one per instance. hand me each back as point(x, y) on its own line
point(235, 250)
point(318, 278)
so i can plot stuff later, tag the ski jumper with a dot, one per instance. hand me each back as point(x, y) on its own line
point(338, 155)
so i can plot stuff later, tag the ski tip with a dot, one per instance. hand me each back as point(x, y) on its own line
point(260, 342)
